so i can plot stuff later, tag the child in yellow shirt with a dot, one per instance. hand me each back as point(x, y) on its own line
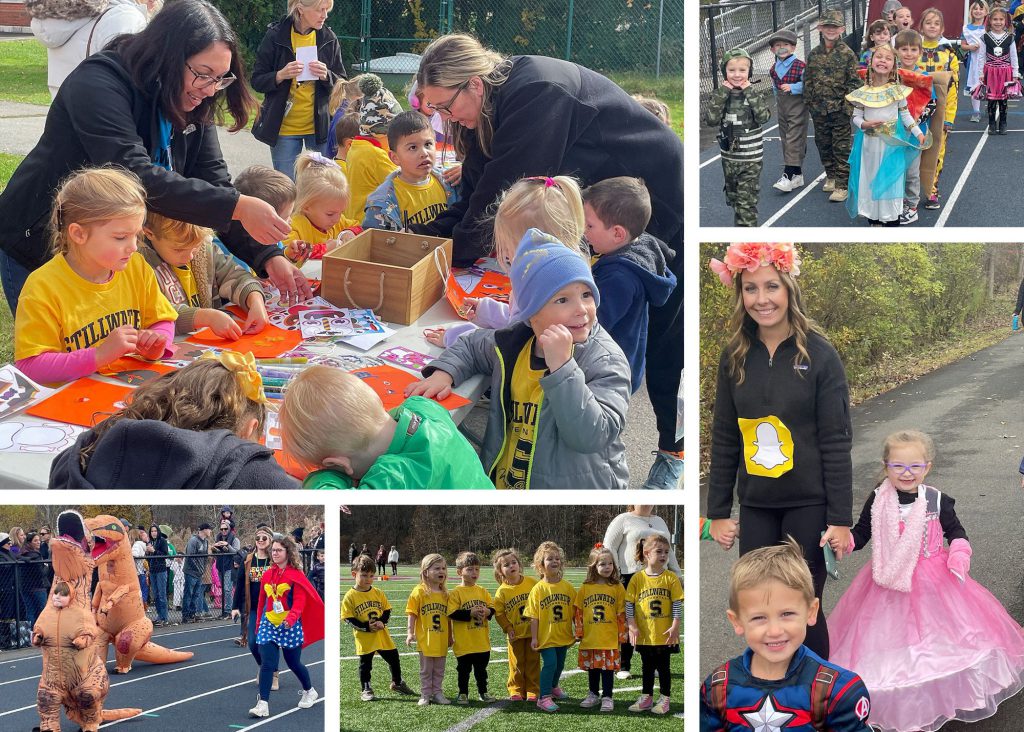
point(430, 628)
point(470, 607)
point(600, 619)
point(368, 161)
point(321, 195)
point(509, 606)
point(549, 608)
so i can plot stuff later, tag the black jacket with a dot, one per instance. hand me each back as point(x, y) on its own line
point(148, 454)
point(35, 573)
point(812, 404)
point(274, 52)
point(100, 117)
point(555, 117)
point(160, 549)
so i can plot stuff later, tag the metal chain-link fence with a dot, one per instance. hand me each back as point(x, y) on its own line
point(748, 25)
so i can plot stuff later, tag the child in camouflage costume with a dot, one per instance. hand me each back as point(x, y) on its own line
point(830, 75)
point(738, 112)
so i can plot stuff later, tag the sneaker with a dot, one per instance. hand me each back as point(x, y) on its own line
point(516, 697)
point(908, 216)
point(262, 709)
point(531, 697)
point(607, 704)
point(159, 623)
point(932, 203)
point(623, 675)
point(975, 118)
point(665, 474)
point(662, 706)
point(402, 688)
point(558, 693)
point(797, 181)
point(786, 184)
point(645, 702)
point(307, 697)
point(462, 699)
point(440, 698)
point(590, 700)
point(829, 185)
point(275, 684)
point(546, 704)
point(838, 195)
point(487, 698)
point(424, 701)
point(367, 694)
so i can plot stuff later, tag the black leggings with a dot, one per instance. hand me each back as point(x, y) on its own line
point(599, 678)
point(478, 663)
point(768, 526)
point(664, 354)
point(626, 648)
point(656, 659)
point(390, 658)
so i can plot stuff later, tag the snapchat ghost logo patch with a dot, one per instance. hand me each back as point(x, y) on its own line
point(767, 446)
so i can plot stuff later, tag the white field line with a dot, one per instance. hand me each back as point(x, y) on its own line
point(795, 200)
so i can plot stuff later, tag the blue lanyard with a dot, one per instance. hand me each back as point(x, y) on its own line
point(162, 154)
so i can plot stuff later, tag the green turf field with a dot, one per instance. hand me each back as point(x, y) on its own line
point(392, 711)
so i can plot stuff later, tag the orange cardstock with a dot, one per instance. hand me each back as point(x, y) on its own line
point(272, 342)
point(85, 402)
point(390, 382)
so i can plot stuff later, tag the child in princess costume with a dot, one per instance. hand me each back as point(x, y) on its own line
point(1000, 75)
point(931, 644)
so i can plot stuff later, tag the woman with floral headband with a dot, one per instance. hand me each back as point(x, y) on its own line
point(781, 432)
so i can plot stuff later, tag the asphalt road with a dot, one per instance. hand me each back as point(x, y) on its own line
point(972, 410)
point(212, 691)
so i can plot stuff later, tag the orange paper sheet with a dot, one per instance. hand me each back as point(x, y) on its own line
point(134, 372)
point(494, 285)
point(85, 402)
point(390, 382)
point(272, 342)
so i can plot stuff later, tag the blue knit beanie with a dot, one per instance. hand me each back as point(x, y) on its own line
point(543, 266)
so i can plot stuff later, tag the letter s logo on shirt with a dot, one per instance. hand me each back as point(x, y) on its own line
point(767, 446)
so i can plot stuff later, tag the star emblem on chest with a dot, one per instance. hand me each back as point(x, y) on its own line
point(767, 718)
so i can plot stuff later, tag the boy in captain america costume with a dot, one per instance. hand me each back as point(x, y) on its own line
point(778, 683)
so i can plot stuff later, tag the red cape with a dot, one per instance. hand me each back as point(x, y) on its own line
point(921, 90)
point(312, 613)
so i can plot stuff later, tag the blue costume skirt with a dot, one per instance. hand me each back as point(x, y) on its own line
point(279, 635)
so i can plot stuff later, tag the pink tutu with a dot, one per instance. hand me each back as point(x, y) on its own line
point(998, 83)
point(942, 651)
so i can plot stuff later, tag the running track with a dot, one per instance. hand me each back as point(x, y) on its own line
point(213, 691)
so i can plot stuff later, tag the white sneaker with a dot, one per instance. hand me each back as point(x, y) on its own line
point(590, 700)
point(783, 184)
point(623, 675)
point(306, 698)
point(607, 704)
point(424, 701)
point(908, 216)
point(262, 709)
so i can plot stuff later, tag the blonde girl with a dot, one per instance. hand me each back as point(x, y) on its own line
point(549, 608)
point(430, 628)
point(654, 610)
point(509, 605)
point(936, 55)
point(600, 622)
point(321, 195)
point(96, 300)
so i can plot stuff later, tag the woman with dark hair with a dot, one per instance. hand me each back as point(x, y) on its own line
point(382, 566)
point(157, 550)
point(148, 103)
point(294, 113)
point(510, 118)
point(35, 578)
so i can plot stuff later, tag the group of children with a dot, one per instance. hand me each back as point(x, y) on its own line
point(872, 155)
point(543, 618)
point(914, 642)
point(563, 358)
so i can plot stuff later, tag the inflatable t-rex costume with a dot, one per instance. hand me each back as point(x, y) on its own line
point(72, 674)
point(117, 601)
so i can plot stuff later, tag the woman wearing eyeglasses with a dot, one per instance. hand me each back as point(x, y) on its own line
point(247, 594)
point(291, 618)
point(781, 434)
point(148, 104)
point(532, 115)
point(294, 112)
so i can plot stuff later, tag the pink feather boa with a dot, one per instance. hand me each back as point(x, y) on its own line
point(895, 553)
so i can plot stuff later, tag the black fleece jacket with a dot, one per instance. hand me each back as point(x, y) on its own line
point(554, 117)
point(813, 402)
point(101, 117)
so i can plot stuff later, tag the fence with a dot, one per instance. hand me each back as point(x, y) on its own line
point(748, 25)
point(386, 36)
point(21, 583)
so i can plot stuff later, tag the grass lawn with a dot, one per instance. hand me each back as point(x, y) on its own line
point(402, 713)
point(23, 72)
point(7, 165)
point(669, 89)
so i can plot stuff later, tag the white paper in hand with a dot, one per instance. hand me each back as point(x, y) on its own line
point(305, 54)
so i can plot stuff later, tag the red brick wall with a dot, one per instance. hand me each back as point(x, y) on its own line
point(14, 14)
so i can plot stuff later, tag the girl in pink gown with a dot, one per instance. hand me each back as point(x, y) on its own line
point(930, 643)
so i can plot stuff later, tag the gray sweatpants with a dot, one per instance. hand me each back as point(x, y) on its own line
point(912, 194)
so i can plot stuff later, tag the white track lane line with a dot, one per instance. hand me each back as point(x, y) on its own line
point(711, 160)
point(197, 696)
point(947, 207)
point(277, 716)
point(795, 200)
point(477, 717)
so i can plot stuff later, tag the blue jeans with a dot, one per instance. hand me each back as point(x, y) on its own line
point(227, 586)
point(254, 647)
point(145, 589)
point(192, 597)
point(35, 601)
point(552, 663)
point(158, 583)
point(287, 149)
point(12, 277)
point(292, 656)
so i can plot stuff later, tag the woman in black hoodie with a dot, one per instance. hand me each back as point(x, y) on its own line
point(35, 577)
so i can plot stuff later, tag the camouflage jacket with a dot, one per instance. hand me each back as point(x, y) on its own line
point(743, 112)
point(829, 77)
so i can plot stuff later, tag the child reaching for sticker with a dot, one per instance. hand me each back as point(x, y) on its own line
point(600, 620)
point(931, 644)
point(95, 300)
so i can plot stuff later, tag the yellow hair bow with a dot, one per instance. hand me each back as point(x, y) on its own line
point(243, 365)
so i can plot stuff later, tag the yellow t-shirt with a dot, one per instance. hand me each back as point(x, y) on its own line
point(431, 611)
point(512, 469)
point(551, 605)
point(652, 599)
point(421, 203)
point(368, 166)
point(59, 311)
point(601, 606)
point(367, 606)
point(510, 604)
point(303, 230)
point(471, 636)
point(299, 120)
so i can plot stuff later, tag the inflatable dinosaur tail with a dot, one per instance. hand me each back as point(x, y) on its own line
point(112, 715)
point(153, 653)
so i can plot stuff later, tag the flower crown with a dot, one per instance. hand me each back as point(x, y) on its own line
point(751, 256)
